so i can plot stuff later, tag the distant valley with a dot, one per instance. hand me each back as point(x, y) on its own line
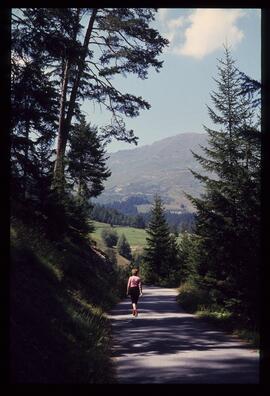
point(160, 168)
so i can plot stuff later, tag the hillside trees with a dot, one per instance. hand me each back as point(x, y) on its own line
point(228, 217)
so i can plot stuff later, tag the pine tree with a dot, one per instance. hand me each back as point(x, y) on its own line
point(228, 210)
point(123, 247)
point(158, 249)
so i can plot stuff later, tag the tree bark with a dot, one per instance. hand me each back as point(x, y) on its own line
point(59, 163)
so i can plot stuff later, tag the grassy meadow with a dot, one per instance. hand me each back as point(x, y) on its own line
point(136, 237)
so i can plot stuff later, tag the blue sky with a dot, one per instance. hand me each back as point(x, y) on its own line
point(178, 94)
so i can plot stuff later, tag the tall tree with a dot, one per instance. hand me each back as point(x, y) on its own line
point(157, 253)
point(229, 208)
point(33, 121)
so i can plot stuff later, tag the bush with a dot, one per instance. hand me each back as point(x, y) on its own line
point(191, 297)
point(110, 237)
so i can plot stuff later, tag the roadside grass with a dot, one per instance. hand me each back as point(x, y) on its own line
point(59, 295)
point(197, 302)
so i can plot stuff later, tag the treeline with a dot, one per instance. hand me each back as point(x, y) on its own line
point(129, 205)
point(112, 216)
point(178, 222)
point(218, 265)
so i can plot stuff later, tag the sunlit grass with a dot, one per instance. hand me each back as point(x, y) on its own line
point(135, 236)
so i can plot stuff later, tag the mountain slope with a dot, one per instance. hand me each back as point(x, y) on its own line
point(162, 167)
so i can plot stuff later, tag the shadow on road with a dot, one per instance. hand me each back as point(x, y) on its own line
point(196, 350)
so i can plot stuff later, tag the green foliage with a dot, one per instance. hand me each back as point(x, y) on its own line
point(110, 215)
point(86, 161)
point(191, 298)
point(136, 260)
point(199, 302)
point(157, 251)
point(136, 237)
point(123, 247)
point(228, 213)
point(160, 253)
point(189, 251)
point(109, 236)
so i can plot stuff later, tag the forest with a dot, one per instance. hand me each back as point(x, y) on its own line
point(60, 281)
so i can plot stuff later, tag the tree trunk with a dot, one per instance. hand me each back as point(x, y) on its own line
point(25, 172)
point(64, 123)
point(62, 138)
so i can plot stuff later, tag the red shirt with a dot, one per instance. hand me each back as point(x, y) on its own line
point(134, 281)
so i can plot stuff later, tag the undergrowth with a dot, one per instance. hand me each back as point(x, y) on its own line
point(197, 301)
point(59, 293)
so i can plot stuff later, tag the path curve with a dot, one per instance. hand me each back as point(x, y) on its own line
point(164, 344)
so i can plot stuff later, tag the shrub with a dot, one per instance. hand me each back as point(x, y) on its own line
point(191, 297)
point(110, 237)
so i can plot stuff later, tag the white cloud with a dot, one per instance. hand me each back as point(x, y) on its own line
point(202, 32)
point(170, 26)
point(163, 14)
point(209, 30)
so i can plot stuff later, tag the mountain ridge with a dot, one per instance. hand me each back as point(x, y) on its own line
point(162, 167)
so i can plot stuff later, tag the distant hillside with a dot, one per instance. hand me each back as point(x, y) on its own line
point(162, 167)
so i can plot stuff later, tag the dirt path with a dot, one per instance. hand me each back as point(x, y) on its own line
point(166, 345)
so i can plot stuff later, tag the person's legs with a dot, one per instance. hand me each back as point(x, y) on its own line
point(136, 302)
point(134, 294)
point(134, 306)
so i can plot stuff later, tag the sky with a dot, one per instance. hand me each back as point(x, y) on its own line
point(179, 93)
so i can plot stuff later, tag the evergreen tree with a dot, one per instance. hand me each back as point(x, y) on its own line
point(157, 253)
point(173, 277)
point(86, 162)
point(33, 121)
point(229, 208)
point(123, 247)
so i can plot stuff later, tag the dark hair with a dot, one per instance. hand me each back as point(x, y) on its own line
point(134, 271)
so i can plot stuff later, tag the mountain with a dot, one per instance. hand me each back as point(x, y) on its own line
point(162, 167)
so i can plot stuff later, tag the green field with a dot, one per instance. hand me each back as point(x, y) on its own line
point(136, 237)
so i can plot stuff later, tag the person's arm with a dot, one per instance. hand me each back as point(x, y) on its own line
point(128, 284)
point(140, 286)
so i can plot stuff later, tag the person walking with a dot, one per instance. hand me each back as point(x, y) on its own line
point(134, 290)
